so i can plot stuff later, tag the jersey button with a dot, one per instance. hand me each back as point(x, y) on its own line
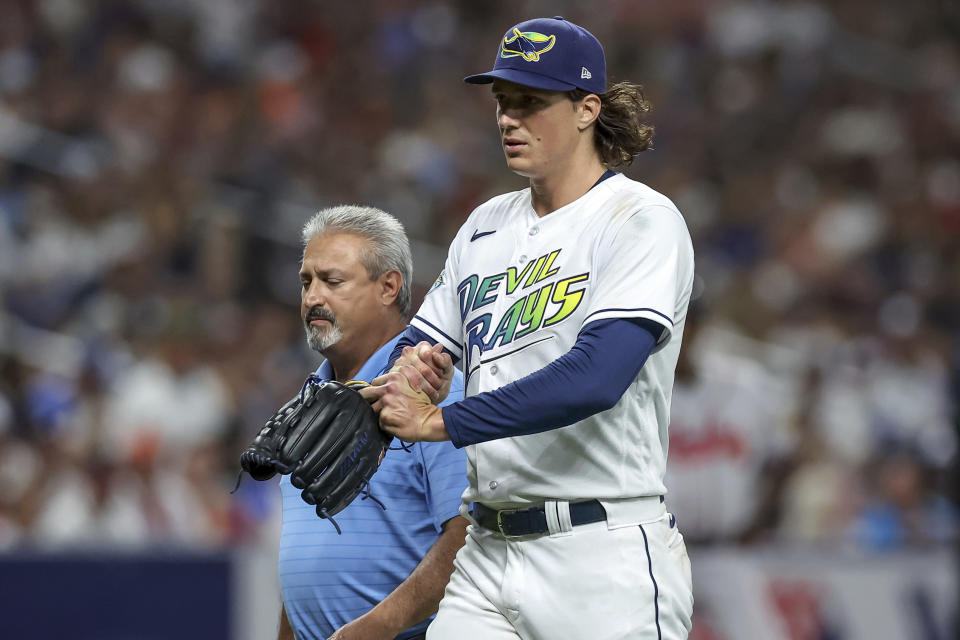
point(534, 231)
point(493, 370)
point(523, 259)
point(493, 484)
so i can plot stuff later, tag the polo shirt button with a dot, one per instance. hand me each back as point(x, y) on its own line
point(493, 370)
point(534, 231)
point(493, 484)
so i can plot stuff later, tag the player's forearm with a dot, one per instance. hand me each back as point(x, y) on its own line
point(588, 379)
point(418, 597)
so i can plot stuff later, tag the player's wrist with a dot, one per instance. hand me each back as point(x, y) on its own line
point(433, 427)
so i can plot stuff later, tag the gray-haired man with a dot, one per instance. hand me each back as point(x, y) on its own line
point(384, 577)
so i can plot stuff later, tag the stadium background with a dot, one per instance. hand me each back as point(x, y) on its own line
point(157, 159)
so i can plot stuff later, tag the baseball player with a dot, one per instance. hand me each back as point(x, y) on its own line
point(381, 579)
point(730, 436)
point(564, 305)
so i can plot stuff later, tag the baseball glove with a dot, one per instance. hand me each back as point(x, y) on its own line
point(328, 439)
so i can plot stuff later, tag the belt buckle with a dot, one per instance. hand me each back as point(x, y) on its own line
point(500, 513)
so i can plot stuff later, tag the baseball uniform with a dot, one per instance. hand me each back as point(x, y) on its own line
point(566, 319)
point(516, 291)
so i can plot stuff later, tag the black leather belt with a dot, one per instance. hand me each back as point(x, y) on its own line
point(533, 520)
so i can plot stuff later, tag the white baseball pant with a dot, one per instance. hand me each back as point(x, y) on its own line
point(589, 582)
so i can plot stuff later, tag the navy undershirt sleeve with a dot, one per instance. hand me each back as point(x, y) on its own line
point(588, 379)
point(411, 338)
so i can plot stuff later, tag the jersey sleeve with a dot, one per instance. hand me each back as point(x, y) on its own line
point(644, 270)
point(439, 314)
point(586, 380)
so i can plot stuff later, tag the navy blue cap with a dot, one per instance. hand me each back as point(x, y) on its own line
point(549, 53)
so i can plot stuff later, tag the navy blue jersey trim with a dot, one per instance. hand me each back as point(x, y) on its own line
point(437, 329)
point(609, 173)
point(529, 344)
point(497, 357)
point(665, 317)
point(656, 589)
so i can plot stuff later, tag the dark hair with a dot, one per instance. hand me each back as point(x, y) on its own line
point(620, 134)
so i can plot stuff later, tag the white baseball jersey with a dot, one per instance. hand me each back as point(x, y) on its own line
point(724, 426)
point(515, 292)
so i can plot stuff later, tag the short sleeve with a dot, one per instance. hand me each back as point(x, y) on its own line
point(644, 270)
point(439, 315)
point(445, 468)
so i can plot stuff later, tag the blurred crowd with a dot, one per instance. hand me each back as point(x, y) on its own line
point(157, 158)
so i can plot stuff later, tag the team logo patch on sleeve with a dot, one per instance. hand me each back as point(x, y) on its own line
point(529, 45)
point(437, 282)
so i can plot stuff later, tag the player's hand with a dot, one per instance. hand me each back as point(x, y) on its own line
point(427, 368)
point(405, 412)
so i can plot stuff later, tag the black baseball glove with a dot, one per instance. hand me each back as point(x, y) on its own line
point(328, 439)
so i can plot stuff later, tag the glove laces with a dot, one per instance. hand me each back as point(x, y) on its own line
point(365, 492)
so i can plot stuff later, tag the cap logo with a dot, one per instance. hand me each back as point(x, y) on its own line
point(530, 45)
point(585, 73)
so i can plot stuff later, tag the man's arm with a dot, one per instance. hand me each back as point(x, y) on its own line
point(588, 379)
point(417, 597)
point(428, 369)
point(286, 631)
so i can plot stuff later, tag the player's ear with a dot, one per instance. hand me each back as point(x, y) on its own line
point(588, 110)
point(390, 282)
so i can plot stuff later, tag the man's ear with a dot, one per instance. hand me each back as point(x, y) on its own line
point(589, 110)
point(390, 282)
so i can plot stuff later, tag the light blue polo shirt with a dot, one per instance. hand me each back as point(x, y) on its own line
point(326, 579)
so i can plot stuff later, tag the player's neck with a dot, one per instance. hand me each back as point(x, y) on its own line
point(560, 188)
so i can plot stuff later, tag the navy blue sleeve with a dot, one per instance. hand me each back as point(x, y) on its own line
point(588, 379)
point(411, 338)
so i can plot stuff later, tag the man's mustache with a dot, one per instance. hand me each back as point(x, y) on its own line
point(319, 313)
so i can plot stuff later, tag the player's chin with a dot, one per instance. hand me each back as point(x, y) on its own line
point(519, 165)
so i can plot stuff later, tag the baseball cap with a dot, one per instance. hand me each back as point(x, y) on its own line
point(548, 53)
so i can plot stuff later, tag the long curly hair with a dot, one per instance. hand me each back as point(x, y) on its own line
point(620, 133)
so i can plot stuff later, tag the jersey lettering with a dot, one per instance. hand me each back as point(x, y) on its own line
point(534, 307)
point(487, 291)
point(569, 300)
point(466, 290)
point(477, 328)
point(524, 316)
point(513, 280)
